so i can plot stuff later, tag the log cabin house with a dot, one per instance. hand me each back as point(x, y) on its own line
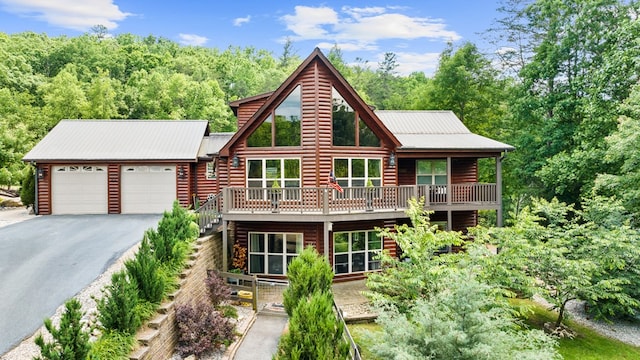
point(310, 164)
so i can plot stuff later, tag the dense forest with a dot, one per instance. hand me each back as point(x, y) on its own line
point(560, 85)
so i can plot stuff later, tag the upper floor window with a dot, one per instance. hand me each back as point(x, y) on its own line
point(263, 173)
point(348, 129)
point(282, 127)
point(431, 172)
point(357, 172)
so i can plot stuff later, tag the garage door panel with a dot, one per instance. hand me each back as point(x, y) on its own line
point(79, 189)
point(147, 189)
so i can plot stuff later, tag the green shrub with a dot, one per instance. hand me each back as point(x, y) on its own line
point(170, 243)
point(307, 273)
point(112, 346)
point(201, 329)
point(28, 188)
point(117, 308)
point(314, 331)
point(144, 269)
point(70, 341)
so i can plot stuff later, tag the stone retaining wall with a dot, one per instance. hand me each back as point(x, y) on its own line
point(158, 337)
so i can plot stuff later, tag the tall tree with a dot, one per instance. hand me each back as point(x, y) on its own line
point(582, 65)
point(467, 84)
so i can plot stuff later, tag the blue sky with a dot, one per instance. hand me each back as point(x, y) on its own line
point(415, 30)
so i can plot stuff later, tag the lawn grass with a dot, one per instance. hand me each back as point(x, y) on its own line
point(357, 331)
point(587, 345)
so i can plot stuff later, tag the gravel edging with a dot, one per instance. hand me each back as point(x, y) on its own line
point(624, 331)
point(27, 349)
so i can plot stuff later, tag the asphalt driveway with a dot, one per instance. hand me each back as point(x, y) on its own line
point(48, 259)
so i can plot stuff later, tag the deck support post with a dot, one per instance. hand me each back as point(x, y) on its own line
point(327, 227)
point(225, 246)
point(499, 215)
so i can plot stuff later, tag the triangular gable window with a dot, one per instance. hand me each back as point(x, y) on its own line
point(348, 129)
point(285, 130)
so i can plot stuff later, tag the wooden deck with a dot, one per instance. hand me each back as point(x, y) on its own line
point(304, 204)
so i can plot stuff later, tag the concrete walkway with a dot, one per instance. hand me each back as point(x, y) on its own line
point(261, 341)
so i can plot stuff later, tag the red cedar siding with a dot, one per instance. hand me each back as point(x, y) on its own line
point(203, 186)
point(113, 178)
point(44, 191)
point(183, 185)
point(316, 151)
point(246, 110)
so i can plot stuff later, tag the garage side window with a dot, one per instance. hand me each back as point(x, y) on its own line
point(271, 253)
point(211, 170)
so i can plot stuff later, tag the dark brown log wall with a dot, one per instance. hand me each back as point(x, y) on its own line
point(246, 110)
point(316, 151)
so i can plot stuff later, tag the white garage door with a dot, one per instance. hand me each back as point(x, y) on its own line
point(147, 189)
point(79, 189)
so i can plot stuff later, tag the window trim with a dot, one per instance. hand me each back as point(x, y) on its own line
point(282, 180)
point(433, 173)
point(266, 255)
point(211, 170)
point(350, 252)
point(348, 181)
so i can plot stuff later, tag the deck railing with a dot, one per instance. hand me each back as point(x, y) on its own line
point(325, 200)
point(209, 213)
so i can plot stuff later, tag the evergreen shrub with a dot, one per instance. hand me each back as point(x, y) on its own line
point(70, 340)
point(308, 273)
point(117, 309)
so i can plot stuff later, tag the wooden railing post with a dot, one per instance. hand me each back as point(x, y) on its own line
point(325, 201)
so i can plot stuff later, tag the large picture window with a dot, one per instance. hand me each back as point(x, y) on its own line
point(271, 253)
point(264, 173)
point(348, 129)
point(282, 127)
point(356, 251)
point(431, 172)
point(352, 172)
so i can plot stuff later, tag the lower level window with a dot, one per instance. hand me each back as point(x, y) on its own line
point(271, 253)
point(356, 251)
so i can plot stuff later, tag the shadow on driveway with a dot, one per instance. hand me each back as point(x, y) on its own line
point(46, 260)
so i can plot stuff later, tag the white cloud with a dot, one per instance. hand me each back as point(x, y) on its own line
point(192, 39)
point(307, 22)
point(346, 46)
point(412, 62)
point(240, 21)
point(69, 14)
point(359, 12)
point(361, 28)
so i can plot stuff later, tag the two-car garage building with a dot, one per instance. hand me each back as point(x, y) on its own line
point(116, 166)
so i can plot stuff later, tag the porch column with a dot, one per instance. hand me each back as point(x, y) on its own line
point(328, 226)
point(449, 182)
point(499, 219)
point(225, 246)
point(449, 220)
